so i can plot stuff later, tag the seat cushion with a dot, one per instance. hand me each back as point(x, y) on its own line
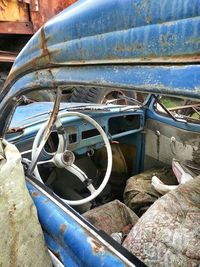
point(168, 234)
point(139, 193)
point(111, 217)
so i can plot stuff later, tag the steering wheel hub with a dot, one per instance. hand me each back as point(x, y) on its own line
point(68, 157)
point(65, 159)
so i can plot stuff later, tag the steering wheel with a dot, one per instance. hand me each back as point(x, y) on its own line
point(64, 158)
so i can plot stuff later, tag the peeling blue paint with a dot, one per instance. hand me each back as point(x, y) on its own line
point(76, 246)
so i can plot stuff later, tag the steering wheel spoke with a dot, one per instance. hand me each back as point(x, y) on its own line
point(82, 176)
point(78, 172)
point(46, 162)
point(91, 189)
point(62, 136)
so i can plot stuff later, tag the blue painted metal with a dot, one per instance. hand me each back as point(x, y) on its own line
point(111, 32)
point(70, 238)
point(97, 36)
point(179, 80)
point(28, 119)
point(116, 31)
point(152, 114)
point(175, 81)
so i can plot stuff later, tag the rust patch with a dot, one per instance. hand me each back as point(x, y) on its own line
point(57, 254)
point(167, 39)
point(45, 51)
point(15, 130)
point(63, 228)
point(53, 82)
point(54, 113)
point(62, 4)
point(96, 247)
point(16, 27)
point(40, 14)
point(149, 19)
point(49, 126)
point(35, 194)
point(135, 47)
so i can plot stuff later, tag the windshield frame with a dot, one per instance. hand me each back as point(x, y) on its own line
point(144, 79)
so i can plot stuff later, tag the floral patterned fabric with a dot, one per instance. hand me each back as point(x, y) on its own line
point(112, 217)
point(168, 234)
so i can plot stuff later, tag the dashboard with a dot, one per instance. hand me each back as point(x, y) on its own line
point(81, 136)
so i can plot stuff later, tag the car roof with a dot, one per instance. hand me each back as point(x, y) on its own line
point(150, 46)
point(113, 32)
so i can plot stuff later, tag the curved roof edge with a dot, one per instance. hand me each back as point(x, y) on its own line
point(112, 32)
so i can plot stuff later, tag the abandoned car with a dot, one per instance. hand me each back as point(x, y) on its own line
point(112, 185)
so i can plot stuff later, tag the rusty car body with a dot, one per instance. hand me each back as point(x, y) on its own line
point(19, 20)
point(148, 47)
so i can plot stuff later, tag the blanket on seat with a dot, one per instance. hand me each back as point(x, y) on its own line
point(168, 234)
